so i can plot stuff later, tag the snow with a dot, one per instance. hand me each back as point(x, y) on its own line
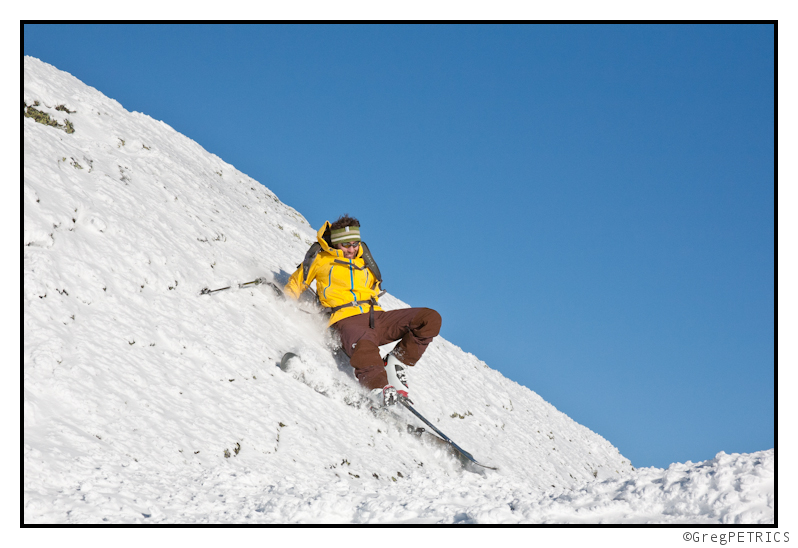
point(136, 387)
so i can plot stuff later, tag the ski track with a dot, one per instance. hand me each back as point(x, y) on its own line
point(135, 386)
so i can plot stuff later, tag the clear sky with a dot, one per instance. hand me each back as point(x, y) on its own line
point(590, 208)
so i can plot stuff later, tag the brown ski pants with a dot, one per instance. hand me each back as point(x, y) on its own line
point(414, 328)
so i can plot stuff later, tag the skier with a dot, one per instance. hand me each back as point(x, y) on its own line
point(349, 290)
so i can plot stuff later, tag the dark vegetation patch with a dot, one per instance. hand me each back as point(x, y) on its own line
point(44, 118)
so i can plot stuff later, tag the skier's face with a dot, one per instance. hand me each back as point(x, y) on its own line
point(349, 249)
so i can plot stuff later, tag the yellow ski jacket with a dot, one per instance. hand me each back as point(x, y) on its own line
point(340, 282)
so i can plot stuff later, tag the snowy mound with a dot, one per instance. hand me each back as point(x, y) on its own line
point(146, 402)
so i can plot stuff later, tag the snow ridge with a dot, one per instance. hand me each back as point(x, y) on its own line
point(147, 403)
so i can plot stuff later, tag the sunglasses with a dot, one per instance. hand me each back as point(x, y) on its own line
point(350, 244)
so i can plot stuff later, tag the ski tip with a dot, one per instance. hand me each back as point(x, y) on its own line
point(469, 459)
point(474, 465)
point(287, 357)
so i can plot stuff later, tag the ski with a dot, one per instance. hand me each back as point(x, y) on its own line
point(443, 436)
point(438, 437)
point(386, 415)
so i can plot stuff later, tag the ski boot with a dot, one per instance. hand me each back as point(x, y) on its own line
point(384, 397)
point(397, 376)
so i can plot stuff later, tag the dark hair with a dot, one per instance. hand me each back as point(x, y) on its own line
point(345, 220)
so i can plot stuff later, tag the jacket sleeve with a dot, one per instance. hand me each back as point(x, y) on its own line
point(296, 285)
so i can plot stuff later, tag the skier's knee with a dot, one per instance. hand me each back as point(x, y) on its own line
point(430, 322)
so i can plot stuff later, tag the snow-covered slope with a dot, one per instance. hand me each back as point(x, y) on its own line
point(145, 402)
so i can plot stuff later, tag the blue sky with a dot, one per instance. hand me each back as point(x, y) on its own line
point(590, 207)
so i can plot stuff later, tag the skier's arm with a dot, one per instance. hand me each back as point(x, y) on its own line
point(296, 285)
